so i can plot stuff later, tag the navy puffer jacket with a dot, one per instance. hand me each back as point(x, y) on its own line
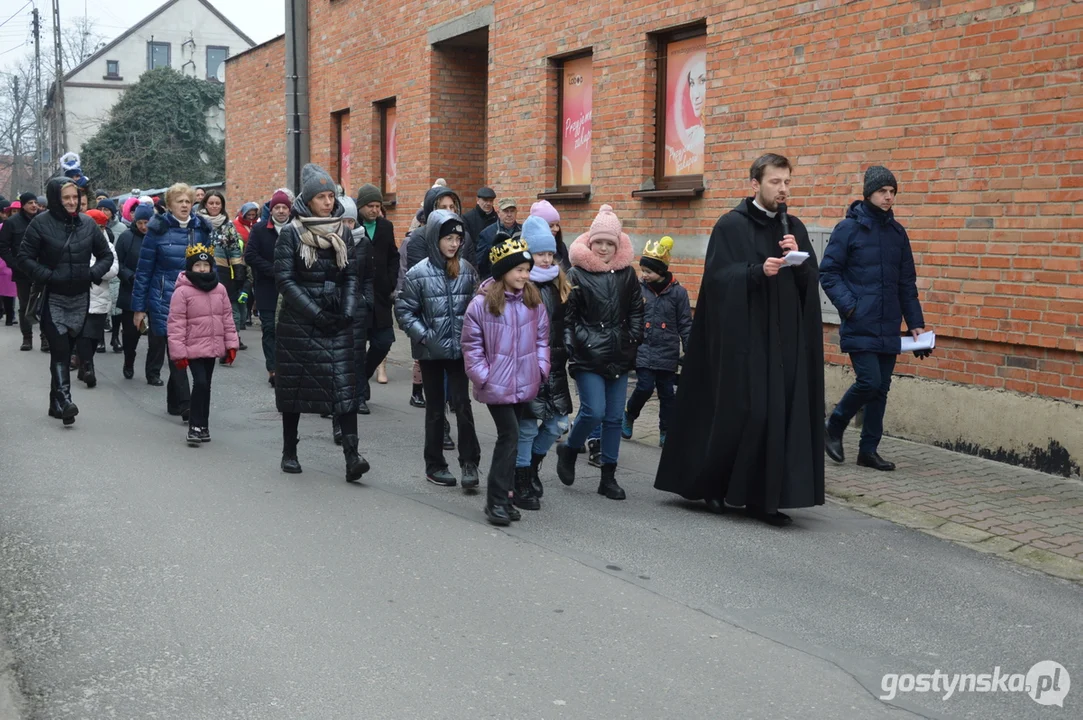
point(430, 306)
point(667, 324)
point(161, 259)
point(868, 274)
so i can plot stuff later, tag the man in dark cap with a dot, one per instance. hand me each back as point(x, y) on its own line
point(507, 223)
point(868, 274)
point(11, 237)
point(483, 215)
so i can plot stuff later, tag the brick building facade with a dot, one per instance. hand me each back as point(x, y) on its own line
point(977, 106)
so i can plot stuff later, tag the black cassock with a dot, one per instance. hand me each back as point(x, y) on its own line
point(748, 424)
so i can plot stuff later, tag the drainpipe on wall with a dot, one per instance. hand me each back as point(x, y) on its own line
point(297, 148)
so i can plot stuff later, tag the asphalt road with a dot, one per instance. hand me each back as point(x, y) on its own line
point(140, 578)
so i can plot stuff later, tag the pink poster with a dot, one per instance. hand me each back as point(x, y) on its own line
point(686, 96)
point(576, 122)
point(344, 153)
point(391, 155)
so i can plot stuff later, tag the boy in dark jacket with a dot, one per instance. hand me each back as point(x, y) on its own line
point(666, 327)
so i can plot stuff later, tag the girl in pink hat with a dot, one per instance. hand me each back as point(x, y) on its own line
point(603, 327)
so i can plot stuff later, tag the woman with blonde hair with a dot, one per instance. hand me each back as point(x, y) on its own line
point(161, 260)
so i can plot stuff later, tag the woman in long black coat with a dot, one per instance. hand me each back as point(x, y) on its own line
point(314, 341)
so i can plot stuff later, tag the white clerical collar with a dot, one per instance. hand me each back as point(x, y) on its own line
point(761, 207)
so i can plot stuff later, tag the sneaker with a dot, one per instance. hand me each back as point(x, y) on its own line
point(442, 477)
point(626, 427)
point(204, 434)
point(471, 481)
point(193, 436)
point(594, 452)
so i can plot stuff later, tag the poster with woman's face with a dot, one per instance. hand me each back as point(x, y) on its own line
point(391, 153)
point(576, 122)
point(686, 95)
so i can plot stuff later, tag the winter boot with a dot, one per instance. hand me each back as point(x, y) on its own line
point(594, 452)
point(417, 397)
point(608, 486)
point(566, 458)
point(524, 496)
point(535, 479)
point(356, 465)
point(336, 431)
point(44, 343)
point(54, 405)
point(62, 378)
point(87, 373)
point(497, 515)
point(289, 457)
point(626, 427)
point(28, 343)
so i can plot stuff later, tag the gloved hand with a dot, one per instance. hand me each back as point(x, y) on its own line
point(231, 355)
point(181, 363)
point(327, 321)
point(242, 298)
point(344, 321)
point(922, 354)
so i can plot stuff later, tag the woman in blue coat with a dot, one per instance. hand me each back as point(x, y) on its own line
point(868, 274)
point(161, 259)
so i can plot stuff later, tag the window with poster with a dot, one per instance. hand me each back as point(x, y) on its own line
point(575, 95)
point(389, 153)
point(680, 114)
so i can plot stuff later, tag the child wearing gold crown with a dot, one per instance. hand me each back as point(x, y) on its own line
point(667, 324)
point(200, 330)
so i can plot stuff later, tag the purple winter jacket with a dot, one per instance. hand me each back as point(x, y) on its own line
point(506, 357)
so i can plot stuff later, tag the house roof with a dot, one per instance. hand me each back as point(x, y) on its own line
point(124, 35)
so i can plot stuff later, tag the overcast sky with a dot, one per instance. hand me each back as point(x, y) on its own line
point(259, 19)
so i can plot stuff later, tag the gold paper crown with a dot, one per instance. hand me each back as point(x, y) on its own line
point(506, 248)
point(198, 249)
point(659, 250)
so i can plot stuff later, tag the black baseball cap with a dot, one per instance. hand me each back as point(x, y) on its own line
point(487, 193)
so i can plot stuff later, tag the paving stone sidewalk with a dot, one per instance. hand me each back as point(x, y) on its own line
point(1023, 515)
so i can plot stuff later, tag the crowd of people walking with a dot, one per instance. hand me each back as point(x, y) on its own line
point(503, 312)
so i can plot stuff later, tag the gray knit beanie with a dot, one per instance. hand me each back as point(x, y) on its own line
point(369, 193)
point(876, 177)
point(315, 180)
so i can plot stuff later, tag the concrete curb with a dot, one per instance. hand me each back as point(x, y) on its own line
point(1047, 562)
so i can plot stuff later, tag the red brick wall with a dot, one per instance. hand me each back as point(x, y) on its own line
point(256, 123)
point(458, 108)
point(976, 106)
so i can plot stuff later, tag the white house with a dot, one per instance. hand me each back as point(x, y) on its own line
point(188, 35)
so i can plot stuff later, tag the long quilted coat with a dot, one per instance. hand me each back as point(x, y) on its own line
point(506, 356)
point(554, 397)
point(315, 368)
point(161, 260)
point(200, 323)
point(430, 306)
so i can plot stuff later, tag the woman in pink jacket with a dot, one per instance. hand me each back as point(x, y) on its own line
point(505, 345)
point(200, 330)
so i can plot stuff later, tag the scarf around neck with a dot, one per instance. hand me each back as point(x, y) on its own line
point(204, 281)
point(279, 225)
point(216, 221)
point(544, 275)
point(318, 233)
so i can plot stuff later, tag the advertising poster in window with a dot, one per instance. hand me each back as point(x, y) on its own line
point(391, 154)
point(686, 96)
point(576, 122)
point(344, 152)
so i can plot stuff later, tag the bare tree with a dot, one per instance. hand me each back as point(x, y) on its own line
point(79, 40)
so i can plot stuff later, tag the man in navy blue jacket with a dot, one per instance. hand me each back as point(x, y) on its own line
point(868, 273)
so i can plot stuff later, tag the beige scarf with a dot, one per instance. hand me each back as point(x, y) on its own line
point(318, 233)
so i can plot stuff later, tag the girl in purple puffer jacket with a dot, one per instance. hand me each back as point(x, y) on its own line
point(505, 344)
point(200, 330)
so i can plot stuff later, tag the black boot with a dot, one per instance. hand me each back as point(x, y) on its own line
point(417, 397)
point(524, 496)
point(514, 514)
point(874, 461)
point(62, 377)
point(449, 444)
point(289, 457)
point(497, 515)
point(115, 341)
point(54, 404)
point(566, 458)
point(535, 479)
point(101, 346)
point(336, 431)
point(28, 343)
point(833, 444)
point(44, 344)
point(608, 486)
point(86, 372)
point(356, 465)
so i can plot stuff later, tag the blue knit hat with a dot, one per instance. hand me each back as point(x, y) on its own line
point(537, 235)
point(107, 204)
point(143, 211)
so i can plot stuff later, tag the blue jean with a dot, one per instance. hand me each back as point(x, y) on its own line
point(537, 436)
point(601, 402)
point(870, 390)
point(647, 381)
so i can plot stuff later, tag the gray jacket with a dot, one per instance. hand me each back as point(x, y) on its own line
point(430, 305)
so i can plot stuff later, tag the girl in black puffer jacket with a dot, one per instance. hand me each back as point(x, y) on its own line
point(603, 327)
point(56, 253)
point(430, 308)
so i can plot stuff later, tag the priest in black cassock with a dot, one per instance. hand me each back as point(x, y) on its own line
point(749, 419)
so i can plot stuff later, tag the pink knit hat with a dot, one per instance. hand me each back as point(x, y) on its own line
point(605, 227)
point(545, 210)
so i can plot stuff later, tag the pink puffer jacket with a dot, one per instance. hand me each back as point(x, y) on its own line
point(200, 323)
point(506, 357)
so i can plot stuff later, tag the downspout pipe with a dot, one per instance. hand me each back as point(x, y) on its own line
point(297, 130)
